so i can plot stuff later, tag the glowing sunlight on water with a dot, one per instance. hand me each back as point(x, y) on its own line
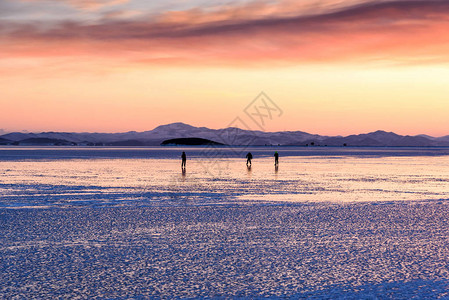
point(159, 181)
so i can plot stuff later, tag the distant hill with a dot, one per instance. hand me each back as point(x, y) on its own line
point(4, 141)
point(127, 143)
point(44, 142)
point(227, 136)
point(444, 138)
point(190, 142)
point(375, 139)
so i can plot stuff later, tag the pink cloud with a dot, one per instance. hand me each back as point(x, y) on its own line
point(86, 4)
point(401, 31)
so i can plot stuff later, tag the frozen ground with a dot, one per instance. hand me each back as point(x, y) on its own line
point(365, 250)
point(117, 177)
point(124, 223)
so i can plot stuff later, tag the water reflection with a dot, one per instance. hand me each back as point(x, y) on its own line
point(183, 174)
point(124, 181)
point(248, 170)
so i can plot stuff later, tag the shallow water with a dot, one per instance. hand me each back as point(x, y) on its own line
point(121, 176)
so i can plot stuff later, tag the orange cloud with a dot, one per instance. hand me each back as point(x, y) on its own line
point(398, 31)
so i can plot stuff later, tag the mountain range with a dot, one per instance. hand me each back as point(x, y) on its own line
point(228, 136)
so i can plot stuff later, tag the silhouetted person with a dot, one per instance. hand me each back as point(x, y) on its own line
point(276, 158)
point(249, 156)
point(184, 159)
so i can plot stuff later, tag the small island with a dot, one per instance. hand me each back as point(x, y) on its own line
point(190, 142)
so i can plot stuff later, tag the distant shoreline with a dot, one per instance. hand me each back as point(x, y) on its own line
point(210, 154)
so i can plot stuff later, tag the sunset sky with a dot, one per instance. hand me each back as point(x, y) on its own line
point(333, 67)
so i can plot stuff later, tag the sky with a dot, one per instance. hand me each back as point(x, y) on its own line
point(333, 67)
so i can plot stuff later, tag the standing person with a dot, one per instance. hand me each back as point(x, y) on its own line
point(276, 158)
point(249, 156)
point(184, 159)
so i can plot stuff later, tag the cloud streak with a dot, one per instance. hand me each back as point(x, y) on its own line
point(85, 4)
point(398, 31)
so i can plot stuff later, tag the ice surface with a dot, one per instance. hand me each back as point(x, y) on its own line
point(351, 251)
point(127, 223)
point(158, 180)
